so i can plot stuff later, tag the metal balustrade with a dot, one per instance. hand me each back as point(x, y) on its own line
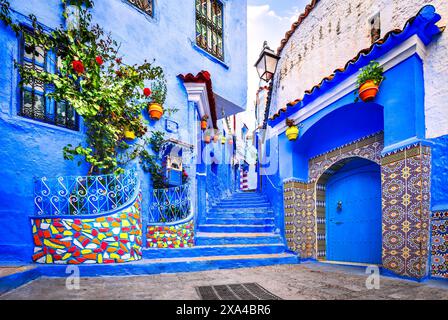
point(83, 195)
point(170, 205)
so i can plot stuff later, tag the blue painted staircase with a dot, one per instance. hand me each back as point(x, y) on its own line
point(238, 232)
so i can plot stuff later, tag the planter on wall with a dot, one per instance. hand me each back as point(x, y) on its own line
point(215, 138)
point(129, 134)
point(155, 111)
point(292, 133)
point(368, 91)
point(207, 139)
point(203, 125)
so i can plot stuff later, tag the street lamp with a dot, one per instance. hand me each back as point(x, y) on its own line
point(267, 63)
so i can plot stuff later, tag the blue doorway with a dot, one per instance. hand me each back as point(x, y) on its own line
point(353, 213)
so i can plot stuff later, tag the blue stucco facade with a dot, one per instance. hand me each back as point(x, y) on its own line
point(34, 149)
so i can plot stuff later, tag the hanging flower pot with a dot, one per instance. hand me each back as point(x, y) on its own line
point(369, 81)
point(223, 140)
point(293, 131)
point(155, 111)
point(368, 91)
point(215, 138)
point(204, 123)
point(129, 134)
point(230, 141)
point(207, 138)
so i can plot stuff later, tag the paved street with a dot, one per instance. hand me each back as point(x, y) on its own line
point(305, 281)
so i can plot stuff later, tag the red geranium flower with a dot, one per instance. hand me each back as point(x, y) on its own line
point(78, 66)
point(118, 60)
point(99, 60)
point(147, 92)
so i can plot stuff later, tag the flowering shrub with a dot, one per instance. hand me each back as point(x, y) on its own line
point(108, 94)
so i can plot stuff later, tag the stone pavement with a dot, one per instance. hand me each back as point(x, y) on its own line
point(309, 281)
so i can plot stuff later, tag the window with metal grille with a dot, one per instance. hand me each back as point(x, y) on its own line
point(147, 6)
point(34, 102)
point(209, 27)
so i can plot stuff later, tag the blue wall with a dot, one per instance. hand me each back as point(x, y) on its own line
point(33, 149)
point(439, 174)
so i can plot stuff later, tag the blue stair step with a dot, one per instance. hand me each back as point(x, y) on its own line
point(209, 238)
point(220, 250)
point(236, 215)
point(239, 210)
point(257, 221)
point(228, 228)
point(236, 205)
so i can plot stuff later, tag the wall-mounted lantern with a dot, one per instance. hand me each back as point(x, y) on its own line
point(267, 63)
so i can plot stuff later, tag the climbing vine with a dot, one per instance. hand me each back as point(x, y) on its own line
point(92, 77)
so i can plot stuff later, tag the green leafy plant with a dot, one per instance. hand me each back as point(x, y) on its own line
point(373, 71)
point(152, 162)
point(159, 91)
point(93, 80)
point(170, 111)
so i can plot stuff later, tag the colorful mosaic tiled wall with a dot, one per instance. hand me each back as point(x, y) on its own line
point(178, 236)
point(406, 209)
point(439, 244)
point(108, 239)
point(300, 222)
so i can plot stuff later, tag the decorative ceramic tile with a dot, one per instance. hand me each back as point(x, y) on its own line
point(439, 244)
point(178, 236)
point(406, 200)
point(115, 238)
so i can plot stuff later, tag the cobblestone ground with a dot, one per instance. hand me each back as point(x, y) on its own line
point(305, 281)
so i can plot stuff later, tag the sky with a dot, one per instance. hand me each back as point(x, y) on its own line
point(267, 20)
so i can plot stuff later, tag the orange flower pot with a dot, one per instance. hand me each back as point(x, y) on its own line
point(203, 124)
point(368, 91)
point(231, 141)
point(155, 111)
point(207, 139)
point(215, 138)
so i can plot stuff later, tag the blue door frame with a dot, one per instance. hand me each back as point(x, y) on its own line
point(353, 212)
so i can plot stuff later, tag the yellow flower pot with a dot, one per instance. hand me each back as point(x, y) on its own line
point(129, 135)
point(292, 133)
point(155, 111)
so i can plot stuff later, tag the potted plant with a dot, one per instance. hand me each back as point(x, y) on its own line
point(215, 137)
point(207, 137)
point(231, 140)
point(158, 97)
point(369, 81)
point(293, 131)
point(129, 134)
point(204, 122)
point(223, 140)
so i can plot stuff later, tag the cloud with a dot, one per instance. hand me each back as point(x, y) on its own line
point(264, 23)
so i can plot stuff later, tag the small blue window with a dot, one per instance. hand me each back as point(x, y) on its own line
point(34, 103)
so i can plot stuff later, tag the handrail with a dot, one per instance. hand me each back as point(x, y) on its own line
point(170, 205)
point(84, 195)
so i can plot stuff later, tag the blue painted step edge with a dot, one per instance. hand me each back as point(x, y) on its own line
point(211, 251)
point(13, 281)
point(205, 241)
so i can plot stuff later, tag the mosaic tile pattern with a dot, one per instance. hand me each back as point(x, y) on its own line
point(406, 200)
point(367, 148)
point(107, 239)
point(179, 236)
point(300, 222)
point(439, 245)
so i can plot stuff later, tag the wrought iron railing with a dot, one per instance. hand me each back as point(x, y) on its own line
point(83, 195)
point(170, 205)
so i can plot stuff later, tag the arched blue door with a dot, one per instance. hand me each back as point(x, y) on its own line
point(353, 213)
